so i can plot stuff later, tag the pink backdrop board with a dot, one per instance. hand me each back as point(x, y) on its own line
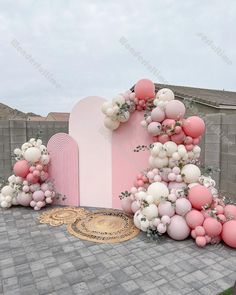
point(126, 163)
point(94, 141)
point(64, 167)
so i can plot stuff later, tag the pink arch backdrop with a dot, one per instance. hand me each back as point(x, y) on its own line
point(107, 163)
point(63, 169)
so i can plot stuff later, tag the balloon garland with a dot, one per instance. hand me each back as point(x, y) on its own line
point(171, 196)
point(30, 184)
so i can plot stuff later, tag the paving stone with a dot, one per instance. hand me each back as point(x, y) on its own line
point(39, 259)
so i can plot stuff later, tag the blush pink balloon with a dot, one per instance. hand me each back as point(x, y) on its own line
point(219, 209)
point(193, 234)
point(38, 196)
point(178, 228)
point(36, 173)
point(44, 187)
point(21, 168)
point(157, 114)
point(168, 124)
point(212, 227)
point(221, 218)
point(135, 206)
point(182, 206)
point(144, 89)
point(201, 241)
point(178, 138)
point(194, 218)
point(199, 195)
point(230, 211)
point(163, 138)
point(229, 233)
point(24, 199)
point(175, 110)
point(188, 140)
point(166, 208)
point(194, 126)
point(30, 178)
point(126, 205)
point(178, 129)
point(154, 128)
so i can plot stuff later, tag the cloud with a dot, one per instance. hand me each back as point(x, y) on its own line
point(77, 42)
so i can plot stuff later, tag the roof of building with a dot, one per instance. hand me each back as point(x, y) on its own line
point(7, 112)
point(55, 116)
point(215, 98)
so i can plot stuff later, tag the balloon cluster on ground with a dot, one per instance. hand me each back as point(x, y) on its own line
point(172, 196)
point(30, 184)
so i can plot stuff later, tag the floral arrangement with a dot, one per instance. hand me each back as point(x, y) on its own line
point(172, 196)
point(30, 184)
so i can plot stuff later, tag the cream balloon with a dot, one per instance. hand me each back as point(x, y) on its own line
point(32, 154)
point(150, 211)
point(190, 173)
point(165, 94)
point(170, 147)
point(110, 124)
point(7, 190)
point(158, 190)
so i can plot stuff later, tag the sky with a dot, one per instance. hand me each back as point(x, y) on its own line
point(56, 52)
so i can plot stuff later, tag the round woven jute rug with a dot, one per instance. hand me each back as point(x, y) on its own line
point(59, 216)
point(104, 226)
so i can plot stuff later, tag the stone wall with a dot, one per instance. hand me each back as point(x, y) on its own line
point(218, 145)
point(13, 133)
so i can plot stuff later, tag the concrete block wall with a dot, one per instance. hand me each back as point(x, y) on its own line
point(15, 132)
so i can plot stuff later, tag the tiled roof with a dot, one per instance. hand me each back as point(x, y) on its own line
point(210, 96)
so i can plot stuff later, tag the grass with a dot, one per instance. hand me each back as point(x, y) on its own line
point(227, 292)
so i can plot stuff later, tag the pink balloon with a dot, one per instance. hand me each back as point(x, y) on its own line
point(32, 203)
point(193, 234)
point(178, 138)
point(230, 211)
point(182, 206)
point(178, 129)
point(178, 228)
point(144, 89)
point(175, 109)
point(194, 126)
point(200, 231)
point(30, 178)
point(212, 227)
point(168, 124)
point(199, 195)
point(39, 167)
point(24, 199)
point(166, 208)
point(38, 196)
point(126, 205)
point(36, 173)
point(188, 140)
point(208, 239)
point(44, 187)
point(201, 241)
point(196, 141)
point(154, 128)
point(21, 168)
point(221, 218)
point(229, 233)
point(189, 147)
point(219, 209)
point(157, 114)
point(194, 218)
point(163, 138)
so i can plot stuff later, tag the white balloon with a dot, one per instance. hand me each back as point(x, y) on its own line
point(45, 159)
point(150, 211)
point(176, 156)
point(149, 199)
point(160, 163)
point(182, 152)
point(158, 190)
point(137, 219)
point(156, 149)
point(7, 190)
point(4, 204)
point(190, 173)
point(197, 149)
point(12, 178)
point(118, 99)
point(140, 196)
point(165, 94)
point(32, 154)
point(18, 180)
point(105, 106)
point(162, 154)
point(17, 152)
point(170, 148)
point(110, 124)
point(8, 199)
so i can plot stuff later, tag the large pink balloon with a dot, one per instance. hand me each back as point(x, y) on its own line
point(230, 211)
point(199, 195)
point(21, 168)
point(193, 126)
point(178, 228)
point(24, 199)
point(194, 218)
point(229, 233)
point(175, 109)
point(144, 89)
point(212, 227)
point(182, 206)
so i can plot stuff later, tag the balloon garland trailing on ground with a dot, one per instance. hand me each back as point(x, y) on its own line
point(30, 184)
point(171, 196)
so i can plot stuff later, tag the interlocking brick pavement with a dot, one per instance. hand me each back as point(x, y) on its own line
point(41, 259)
